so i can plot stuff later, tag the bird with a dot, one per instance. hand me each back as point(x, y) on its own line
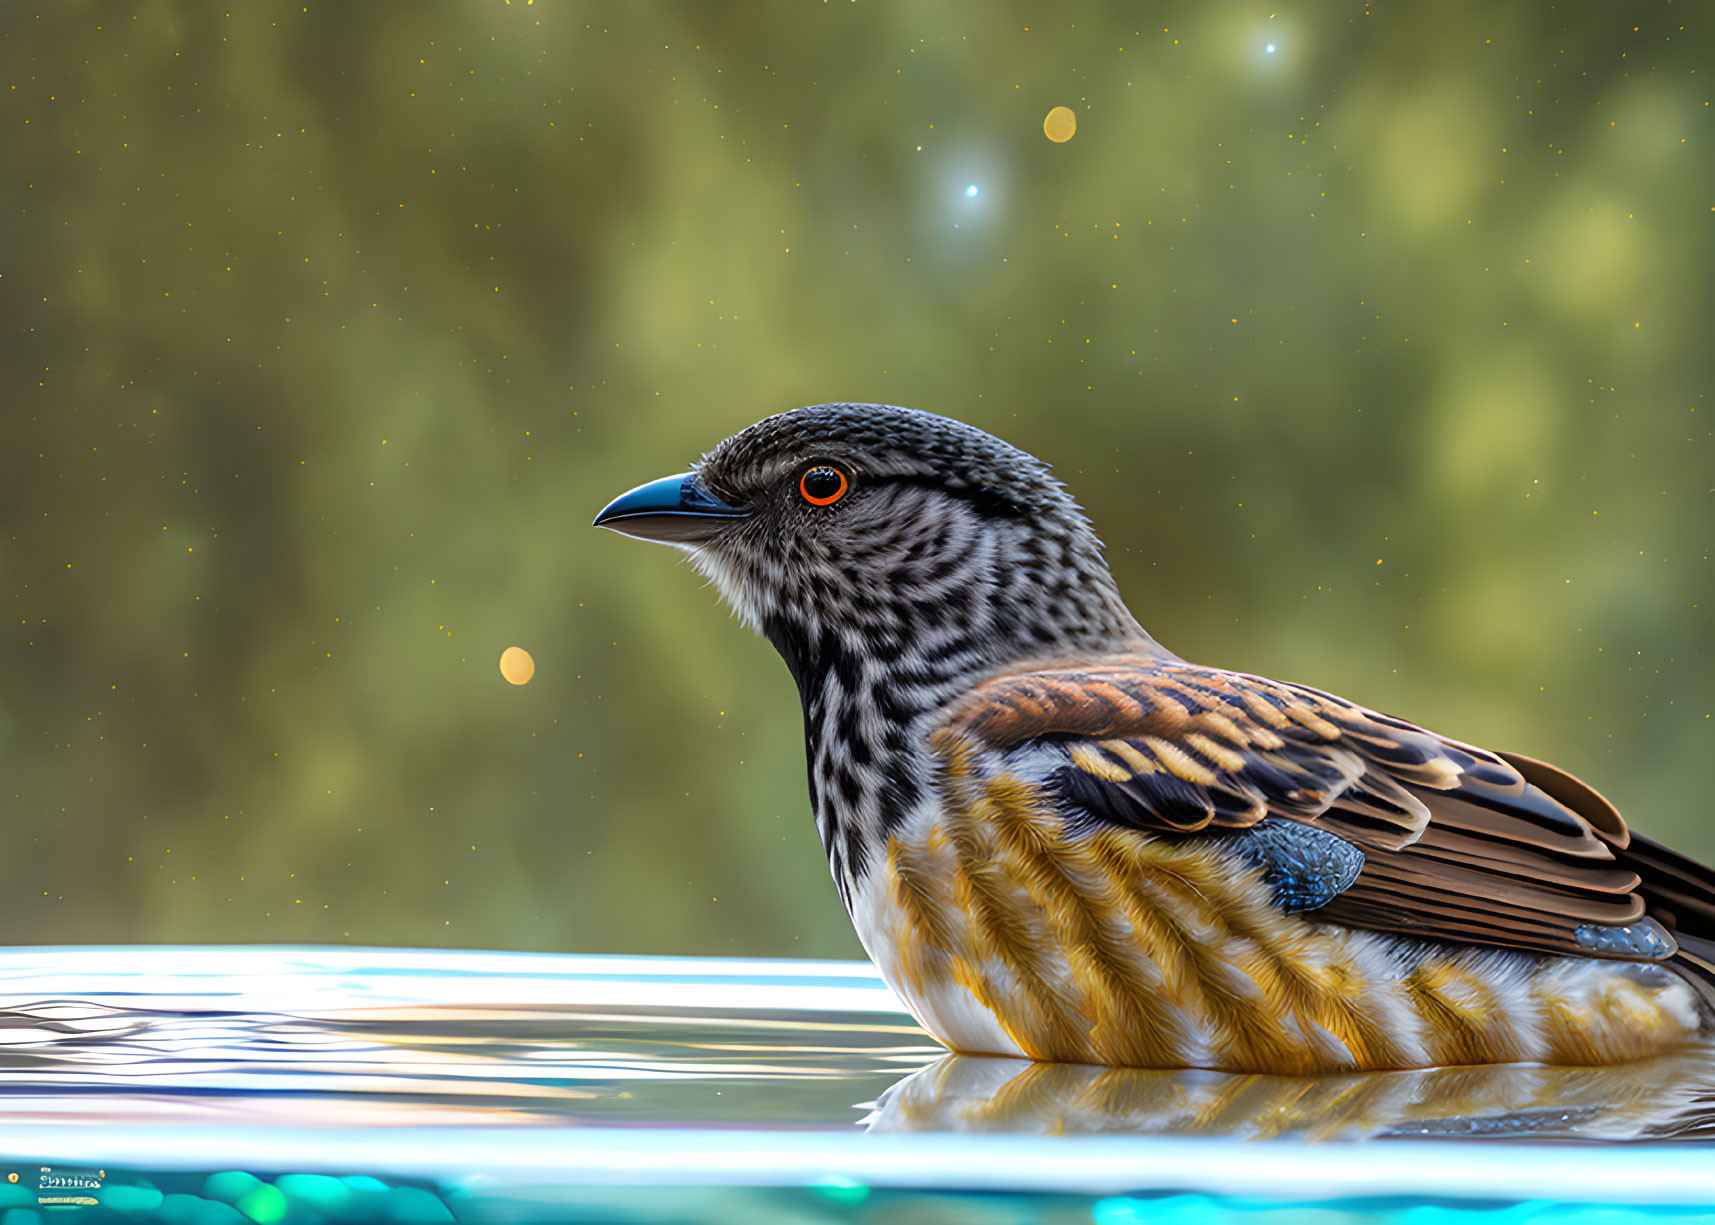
point(1060, 841)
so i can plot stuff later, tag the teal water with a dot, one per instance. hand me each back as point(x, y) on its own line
point(333, 1084)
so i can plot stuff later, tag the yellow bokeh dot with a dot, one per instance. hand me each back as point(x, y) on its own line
point(516, 665)
point(1060, 125)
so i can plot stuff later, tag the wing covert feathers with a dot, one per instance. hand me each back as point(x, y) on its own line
point(1459, 843)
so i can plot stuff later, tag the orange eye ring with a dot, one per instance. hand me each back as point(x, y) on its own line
point(817, 488)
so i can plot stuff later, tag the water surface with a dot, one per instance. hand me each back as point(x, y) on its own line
point(503, 1084)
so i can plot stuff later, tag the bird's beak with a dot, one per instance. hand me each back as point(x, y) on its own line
point(673, 510)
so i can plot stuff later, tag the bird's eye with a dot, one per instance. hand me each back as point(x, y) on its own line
point(822, 485)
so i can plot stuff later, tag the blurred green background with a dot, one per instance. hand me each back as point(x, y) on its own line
point(1381, 360)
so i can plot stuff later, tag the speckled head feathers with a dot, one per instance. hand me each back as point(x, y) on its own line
point(942, 527)
point(882, 440)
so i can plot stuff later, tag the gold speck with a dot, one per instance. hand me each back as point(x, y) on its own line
point(1060, 125)
point(516, 665)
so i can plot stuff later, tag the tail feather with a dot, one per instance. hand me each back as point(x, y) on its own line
point(1696, 961)
point(1676, 888)
point(1679, 893)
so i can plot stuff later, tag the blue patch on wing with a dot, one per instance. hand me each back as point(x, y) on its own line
point(1304, 867)
point(1646, 939)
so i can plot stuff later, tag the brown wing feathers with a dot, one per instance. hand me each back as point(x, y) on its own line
point(1460, 843)
point(1197, 748)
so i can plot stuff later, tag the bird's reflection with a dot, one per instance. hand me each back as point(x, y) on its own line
point(1667, 1098)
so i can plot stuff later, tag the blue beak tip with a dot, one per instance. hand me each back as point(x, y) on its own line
point(674, 509)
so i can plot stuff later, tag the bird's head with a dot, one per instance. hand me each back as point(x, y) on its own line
point(867, 534)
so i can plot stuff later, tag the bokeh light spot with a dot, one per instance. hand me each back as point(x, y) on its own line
point(1060, 125)
point(264, 1205)
point(1268, 50)
point(971, 192)
point(516, 665)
